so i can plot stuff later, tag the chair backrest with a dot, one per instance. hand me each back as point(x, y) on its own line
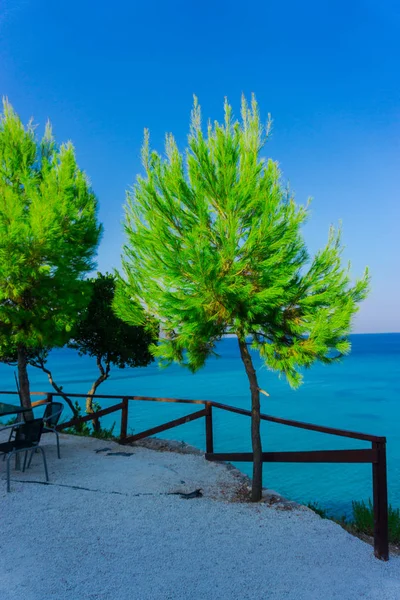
point(52, 413)
point(30, 431)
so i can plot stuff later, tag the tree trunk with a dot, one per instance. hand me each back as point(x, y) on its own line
point(24, 389)
point(89, 403)
point(256, 490)
point(104, 373)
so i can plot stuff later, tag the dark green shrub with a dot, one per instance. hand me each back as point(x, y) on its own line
point(80, 428)
point(322, 512)
point(87, 430)
point(364, 520)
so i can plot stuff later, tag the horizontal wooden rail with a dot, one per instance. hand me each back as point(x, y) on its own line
point(312, 456)
point(177, 400)
point(14, 393)
point(114, 397)
point(301, 425)
point(240, 411)
point(39, 403)
point(169, 425)
point(90, 417)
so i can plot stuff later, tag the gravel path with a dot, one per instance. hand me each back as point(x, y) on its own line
point(107, 529)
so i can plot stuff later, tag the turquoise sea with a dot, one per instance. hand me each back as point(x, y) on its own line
point(362, 394)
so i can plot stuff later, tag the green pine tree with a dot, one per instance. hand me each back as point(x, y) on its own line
point(214, 246)
point(48, 239)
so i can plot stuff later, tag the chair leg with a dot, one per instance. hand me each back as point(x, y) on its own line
point(58, 444)
point(44, 462)
point(17, 462)
point(8, 473)
point(30, 458)
point(25, 459)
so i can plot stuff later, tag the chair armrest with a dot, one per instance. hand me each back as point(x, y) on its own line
point(11, 426)
point(7, 426)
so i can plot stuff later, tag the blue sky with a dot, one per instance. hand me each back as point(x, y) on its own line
point(328, 72)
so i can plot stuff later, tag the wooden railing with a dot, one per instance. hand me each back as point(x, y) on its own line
point(376, 455)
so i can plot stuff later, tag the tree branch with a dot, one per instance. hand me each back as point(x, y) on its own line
point(39, 364)
point(263, 392)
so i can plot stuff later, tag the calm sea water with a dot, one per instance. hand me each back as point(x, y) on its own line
point(362, 394)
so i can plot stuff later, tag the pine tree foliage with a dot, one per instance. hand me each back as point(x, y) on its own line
point(48, 237)
point(215, 246)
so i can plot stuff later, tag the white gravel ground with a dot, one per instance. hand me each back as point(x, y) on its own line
point(123, 538)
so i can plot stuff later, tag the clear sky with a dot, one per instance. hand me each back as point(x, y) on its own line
point(327, 71)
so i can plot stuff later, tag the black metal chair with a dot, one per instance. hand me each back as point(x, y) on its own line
point(51, 416)
point(18, 420)
point(27, 438)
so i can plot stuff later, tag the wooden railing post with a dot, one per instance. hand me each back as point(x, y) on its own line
point(379, 479)
point(49, 397)
point(209, 429)
point(124, 420)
